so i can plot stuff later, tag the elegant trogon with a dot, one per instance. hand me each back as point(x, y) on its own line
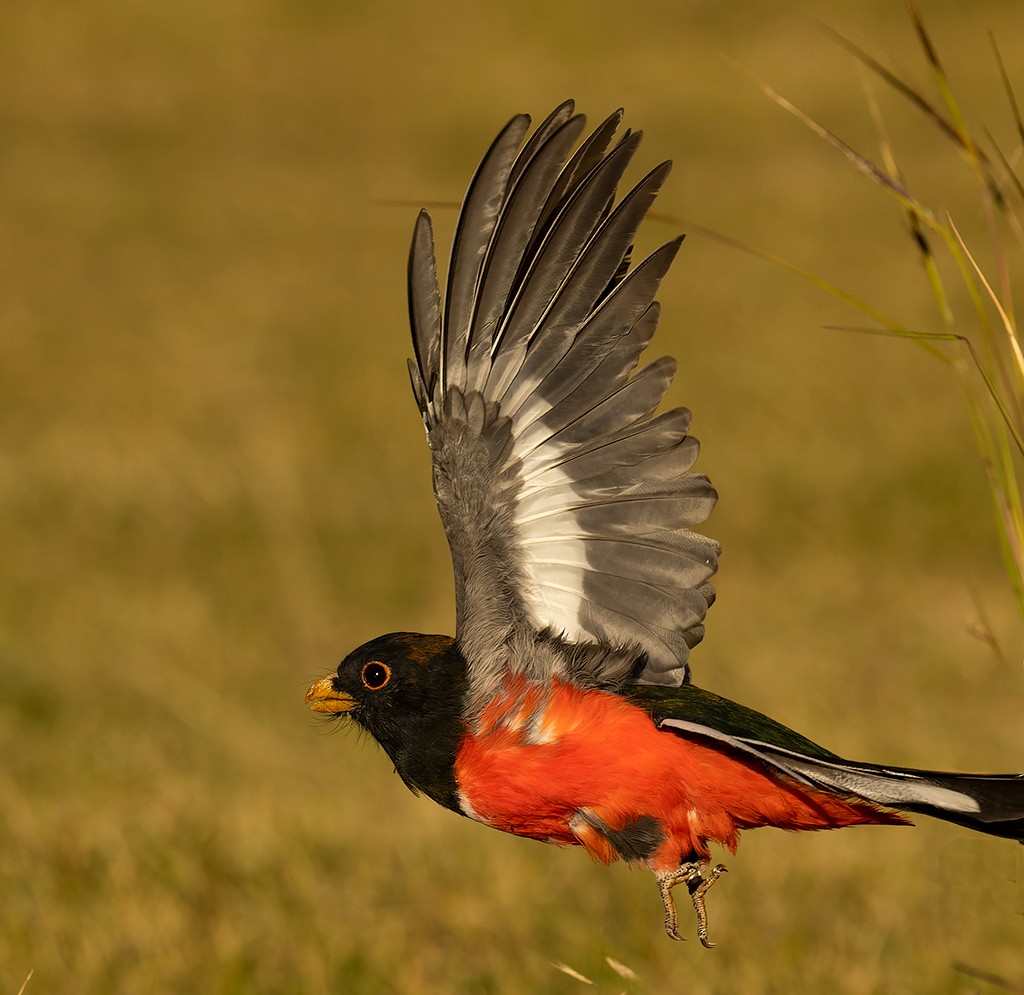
point(563, 710)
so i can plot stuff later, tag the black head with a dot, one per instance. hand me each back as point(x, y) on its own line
point(408, 691)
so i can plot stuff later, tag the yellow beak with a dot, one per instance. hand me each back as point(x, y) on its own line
point(322, 697)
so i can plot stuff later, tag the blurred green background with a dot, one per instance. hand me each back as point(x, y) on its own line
point(213, 483)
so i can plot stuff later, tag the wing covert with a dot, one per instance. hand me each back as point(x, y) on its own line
point(567, 500)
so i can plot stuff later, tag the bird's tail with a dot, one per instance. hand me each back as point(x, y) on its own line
point(988, 803)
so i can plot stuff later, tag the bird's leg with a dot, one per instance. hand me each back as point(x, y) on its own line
point(697, 884)
point(698, 888)
point(667, 880)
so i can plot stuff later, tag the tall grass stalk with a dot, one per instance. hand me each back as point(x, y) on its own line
point(980, 340)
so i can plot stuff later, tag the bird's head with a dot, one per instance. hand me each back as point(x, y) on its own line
point(408, 691)
point(403, 672)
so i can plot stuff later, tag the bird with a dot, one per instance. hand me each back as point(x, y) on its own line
point(563, 709)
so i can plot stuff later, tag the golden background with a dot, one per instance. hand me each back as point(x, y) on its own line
point(213, 484)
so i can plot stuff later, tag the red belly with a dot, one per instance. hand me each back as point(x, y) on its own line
point(542, 753)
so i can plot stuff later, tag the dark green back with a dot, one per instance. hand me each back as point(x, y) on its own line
point(693, 704)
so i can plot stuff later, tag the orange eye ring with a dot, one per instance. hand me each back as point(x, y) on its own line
point(375, 675)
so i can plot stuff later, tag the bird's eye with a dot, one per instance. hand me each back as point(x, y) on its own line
point(376, 675)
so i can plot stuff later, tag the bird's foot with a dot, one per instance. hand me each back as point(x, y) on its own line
point(697, 884)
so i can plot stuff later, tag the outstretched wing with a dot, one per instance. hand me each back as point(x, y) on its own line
point(566, 500)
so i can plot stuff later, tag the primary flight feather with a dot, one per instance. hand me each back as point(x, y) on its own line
point(563, 710)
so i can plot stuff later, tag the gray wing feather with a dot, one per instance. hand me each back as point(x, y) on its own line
point(516, 226)
point(558, 363)
point(583, 160)
point(540, 139)
point(424, 309)
point(562, 247)
point(627, 448)
point(567, 501)
point(476, 224)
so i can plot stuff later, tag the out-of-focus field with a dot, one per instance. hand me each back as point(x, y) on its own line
point(213, 483)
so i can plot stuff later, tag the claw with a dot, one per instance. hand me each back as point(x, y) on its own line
point(697, 884)
point(698, 889)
